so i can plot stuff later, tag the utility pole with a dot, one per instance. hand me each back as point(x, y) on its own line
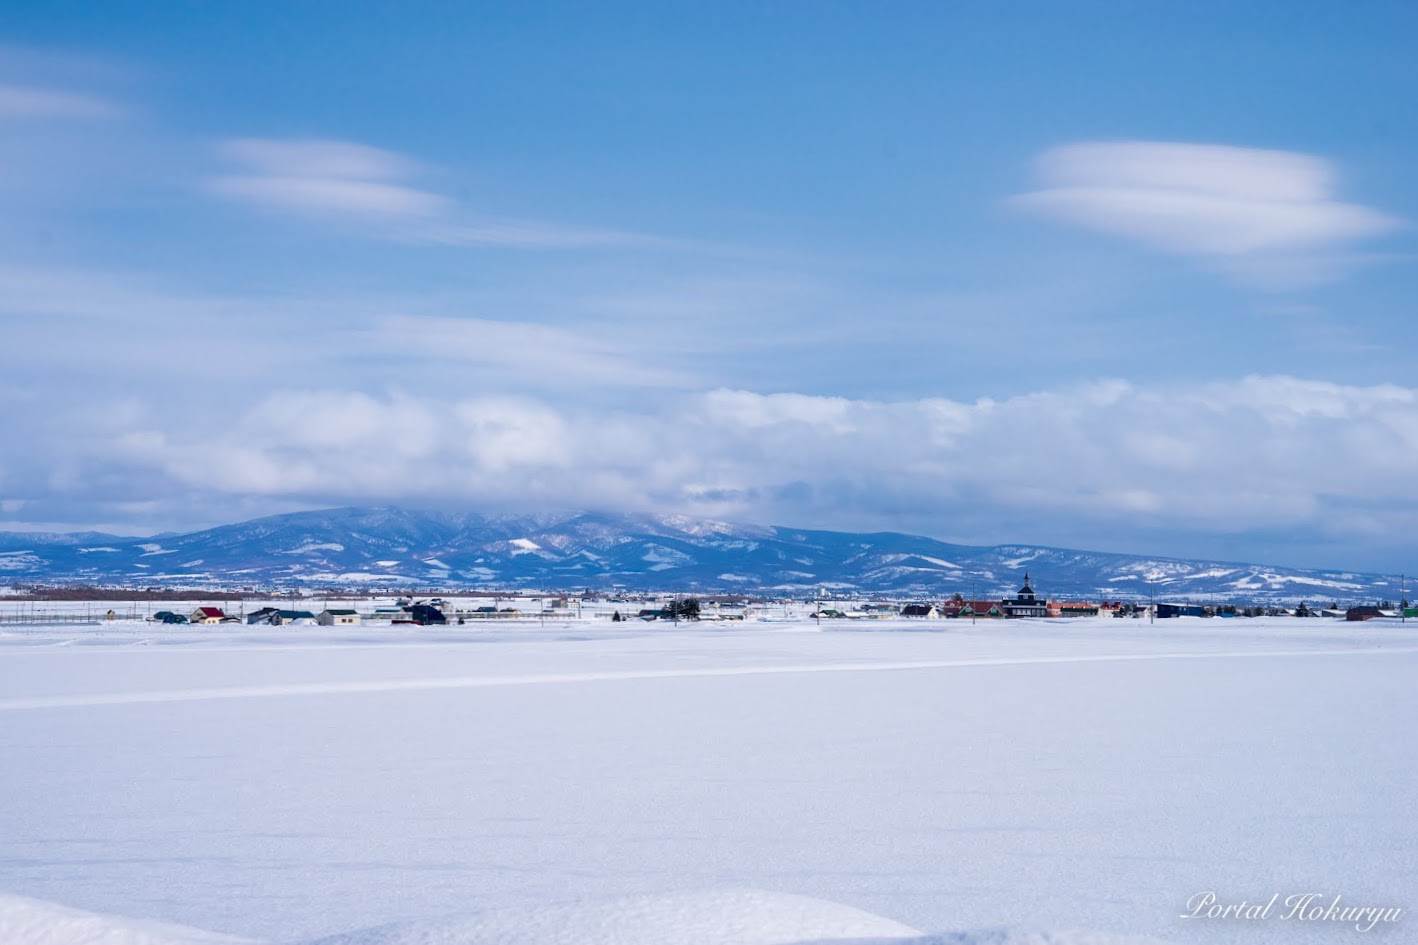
point(1151, 601)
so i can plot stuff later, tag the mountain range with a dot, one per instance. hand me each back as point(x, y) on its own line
point(390, 548)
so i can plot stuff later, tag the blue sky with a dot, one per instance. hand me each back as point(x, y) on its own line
point(1113, 275)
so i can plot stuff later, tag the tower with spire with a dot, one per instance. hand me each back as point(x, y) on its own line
point(1026, 603)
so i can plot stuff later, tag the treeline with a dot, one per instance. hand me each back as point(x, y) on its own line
point(35, 592)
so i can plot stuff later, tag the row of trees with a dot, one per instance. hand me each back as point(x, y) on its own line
point(686, 608)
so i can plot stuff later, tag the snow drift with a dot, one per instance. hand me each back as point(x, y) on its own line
point(26, 921)
point(712, 917)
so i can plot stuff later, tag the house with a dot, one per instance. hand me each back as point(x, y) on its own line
point(337, 618)
point(206, 615)
point(1073, 609)
point(919, 610)
point(1026, 603)
point(263, 615)
point(1180, 610)
point(297, 617)
point(1364, 612)
point(981, 608)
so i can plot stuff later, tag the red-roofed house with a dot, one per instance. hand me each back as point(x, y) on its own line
point(207, 615)
point(981, 608)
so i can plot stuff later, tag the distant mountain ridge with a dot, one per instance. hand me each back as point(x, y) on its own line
point(397, 548)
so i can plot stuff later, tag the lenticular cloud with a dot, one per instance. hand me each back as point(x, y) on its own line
point(1233, 204)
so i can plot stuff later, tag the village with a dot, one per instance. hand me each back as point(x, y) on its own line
point(296, 610)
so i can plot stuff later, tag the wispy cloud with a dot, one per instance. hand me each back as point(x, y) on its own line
point(530, 234)
point(523, 350)
point(1267, 216)
point(35, 102)
point(321, 177)
point(63, 317)
point(351, 183)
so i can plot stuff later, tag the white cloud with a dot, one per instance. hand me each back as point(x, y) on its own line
point(351, 183)
point(750, 411)
point(325, 177)
point(322, 195)
point(556, 357)
point(1256, 453)
point(318, 158)
point(32, 102)
point(1269, 216)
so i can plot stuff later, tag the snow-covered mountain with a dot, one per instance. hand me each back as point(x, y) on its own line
point(388, 548)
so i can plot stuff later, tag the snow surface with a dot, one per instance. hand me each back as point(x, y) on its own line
point(710, 917)
point(315, 546)
point(720, 917)
point(287, 785)
point(25, 921)
point(18, 560)
point(940, 561)
point(663, 558)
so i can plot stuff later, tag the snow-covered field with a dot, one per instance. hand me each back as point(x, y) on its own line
point(752, 782)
